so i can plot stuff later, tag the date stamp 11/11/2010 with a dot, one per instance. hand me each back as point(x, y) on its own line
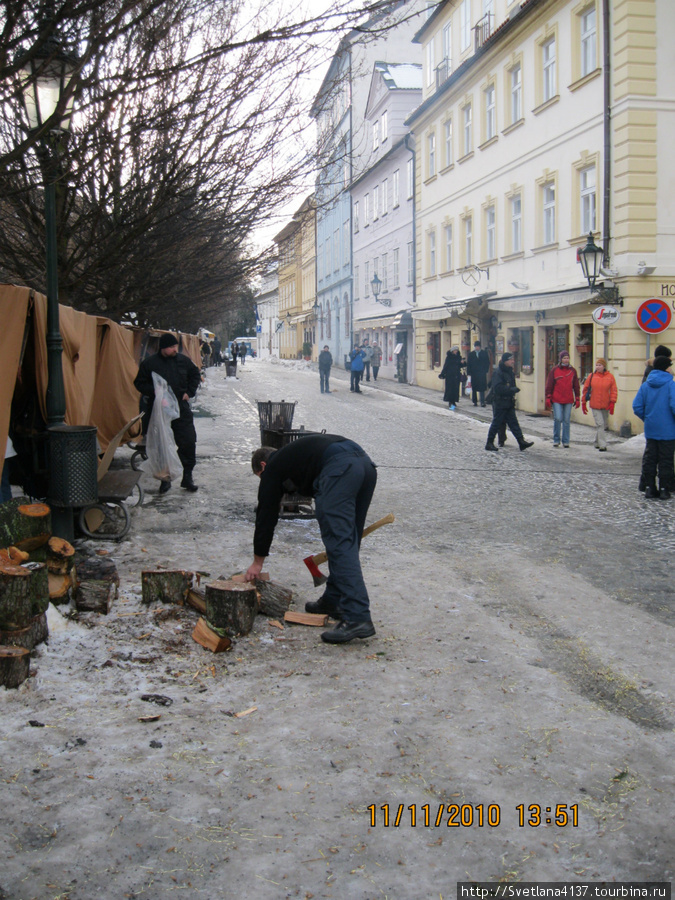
point(468, 815)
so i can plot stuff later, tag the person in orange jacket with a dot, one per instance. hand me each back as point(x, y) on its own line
point(600, 393)
point(562, 392)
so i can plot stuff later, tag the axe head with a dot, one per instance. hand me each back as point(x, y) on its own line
point(317, 575)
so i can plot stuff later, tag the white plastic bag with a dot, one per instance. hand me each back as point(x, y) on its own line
point(467, 387)
point(162, 461)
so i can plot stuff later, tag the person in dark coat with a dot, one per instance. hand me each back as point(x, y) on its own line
point(504, 405)
point(654, 403)
point(341, 477)
point(243, 349)
point(477, 367)
point(183, 377)
point(452, 372)
point(660, 351)
point(356, 366)
point(325, 363)
point(215, 352)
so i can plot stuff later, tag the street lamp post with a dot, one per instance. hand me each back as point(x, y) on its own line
point(376, 285)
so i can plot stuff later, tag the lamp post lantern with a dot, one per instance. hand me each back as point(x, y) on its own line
point(376, 285)
point(590, 258)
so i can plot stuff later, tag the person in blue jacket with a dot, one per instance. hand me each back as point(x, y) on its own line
point(357, 365)
point(655, 405)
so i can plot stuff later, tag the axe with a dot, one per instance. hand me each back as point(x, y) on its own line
point(313, 562)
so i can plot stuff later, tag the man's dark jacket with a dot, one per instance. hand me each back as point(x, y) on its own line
point(504, 387)
point(180, 373)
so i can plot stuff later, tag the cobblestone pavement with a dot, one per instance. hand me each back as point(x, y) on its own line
point(523, 604)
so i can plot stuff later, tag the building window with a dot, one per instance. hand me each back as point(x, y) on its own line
point(429, 63)
point(549, 212)
point(366, 279)
point(327, 259)
point(376, 202)
point(376, 142)
point(465, 25)
point(411, 178)
point(516, 225)
point(394, 189)
point(448, 142)
point(588, 42)
point(394, 268)
point(366, 209)
point(346, 242)
point(356, 283)
point(432, 253)
point(490, 233)
point(548, 63)
point(467, 130)
point(356, 216)
point(336, 249)
point(588, 196)
point(376, 267)
point(411, 262)
point(431, 155)
point(384, 127)
point(385, 280)
point(516, 79)
point(434, 348)
point(468, 241)
point(385, 196)
point(447, 48)
point(345, 306)
point(490, 113)
point(448, 248)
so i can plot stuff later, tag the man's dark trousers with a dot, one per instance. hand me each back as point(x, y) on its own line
point(186, 438)
point(658, 458)
point(343, 491)
point(504, 417)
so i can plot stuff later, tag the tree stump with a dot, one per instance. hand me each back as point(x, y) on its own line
point(39, 587)
point(59, 588)
point(15, 597)
point(96, 584)
point(231, 606)
point(31, 526)
point(60, 556)
point(14, 666)
point(29, 637)
point(274, 599)
point(167, 586)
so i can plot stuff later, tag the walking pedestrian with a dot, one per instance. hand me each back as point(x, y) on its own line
point(183, 377)
point(600, 393)
point(376, 360)
point(452, 373)
point(505, 390)
point(325, 363)
point(243, 349)
point(215, 351)
point(660, 351)
point(654, 403)
point(477, 367)
point(367, 351)
point(562, 393)
point(357, 364)
point(341, 477)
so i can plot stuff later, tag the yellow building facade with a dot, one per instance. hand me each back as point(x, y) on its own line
point(296, 245)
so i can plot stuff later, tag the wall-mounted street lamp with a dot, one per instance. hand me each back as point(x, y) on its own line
point(376, 285)
point(539, 315)
point(591, 258)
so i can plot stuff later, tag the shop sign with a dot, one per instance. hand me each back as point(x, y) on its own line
point(653, 316)
point(606, 315)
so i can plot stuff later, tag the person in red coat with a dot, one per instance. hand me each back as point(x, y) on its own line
point(600, 393)
point(562, 393)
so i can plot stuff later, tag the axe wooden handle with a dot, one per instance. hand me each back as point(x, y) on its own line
point(386, 520)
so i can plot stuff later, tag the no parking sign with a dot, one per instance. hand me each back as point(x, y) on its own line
point(653, 316)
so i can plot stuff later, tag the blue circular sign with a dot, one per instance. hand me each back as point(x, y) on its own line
point(653, 316)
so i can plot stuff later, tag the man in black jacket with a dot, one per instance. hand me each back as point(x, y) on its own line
point(504, 405)
point(183, 377)
point(477, 367)
point(341, 478)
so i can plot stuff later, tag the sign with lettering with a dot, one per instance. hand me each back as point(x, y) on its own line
point(606, 315)
point(653, 316)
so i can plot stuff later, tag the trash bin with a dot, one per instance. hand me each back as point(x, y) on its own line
point(230, 370)
point(275, 416)
point(73, 465)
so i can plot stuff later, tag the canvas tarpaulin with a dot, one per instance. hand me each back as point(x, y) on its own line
point(13, 309)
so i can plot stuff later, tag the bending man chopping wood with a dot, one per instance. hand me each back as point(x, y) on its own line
point(341, 477)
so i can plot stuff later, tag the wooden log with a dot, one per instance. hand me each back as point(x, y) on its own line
point(59, 588)
point(13, 555)
point(29, 637)
point(32, 526)
point(301, 618)
point(39, 587)
point(97, 568)
point(273, 599)
point(15, 597)
point(14, 666)
point(95, 596)
point(231, 606)
point(166, 586)
point(196, 599)
point(60, 556)
point(209, 639)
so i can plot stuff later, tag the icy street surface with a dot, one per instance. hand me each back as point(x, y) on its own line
point(524, 656)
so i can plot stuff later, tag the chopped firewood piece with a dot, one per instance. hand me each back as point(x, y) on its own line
point(32, 526)
point(301, 618)
point(209, 639)
point(231, 606)
point(275, 623)
point(60, 548)
point(14, 666)
point(18, 556)
point(16, 610)
point(150, 718)
point(166, 585)
point(274, 599)
point(195, 598)
point(246, 712)
point(59, 585)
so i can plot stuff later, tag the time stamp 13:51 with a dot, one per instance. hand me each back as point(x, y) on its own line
point(467, 815)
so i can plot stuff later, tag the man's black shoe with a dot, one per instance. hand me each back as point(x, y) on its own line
point(321, 606)
point(189, 485)
point(500, 442)
point(651, 493)
point(347, 631)
point(664, 494)
point(165, 486)
point(525, 444)
point(490, 446)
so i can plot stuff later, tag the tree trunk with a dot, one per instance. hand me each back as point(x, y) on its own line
point(231, 606)
point(31, 526)
point(166, 586)
point(15, 597)
point(274, 599)
point(14, 666)
point(28, 637)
